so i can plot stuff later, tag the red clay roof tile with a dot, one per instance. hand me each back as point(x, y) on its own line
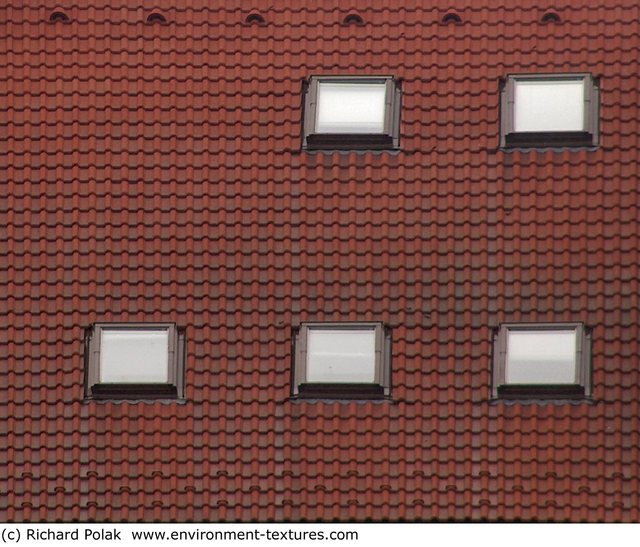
point(153, 172)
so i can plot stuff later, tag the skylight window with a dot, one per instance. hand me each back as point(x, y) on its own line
point(346, 355)
point(542, 360)
point(352, 113)
point(134, 356)
point(541, 357)
point(550, 110)
point(342, 360)
point(542, 105)
point(134, 360)
point(350, 107)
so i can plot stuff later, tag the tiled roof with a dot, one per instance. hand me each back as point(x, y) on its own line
point(154, 172)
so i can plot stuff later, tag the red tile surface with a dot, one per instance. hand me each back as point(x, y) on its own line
point(154, 173)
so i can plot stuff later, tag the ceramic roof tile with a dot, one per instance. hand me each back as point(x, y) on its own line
point(153, 172)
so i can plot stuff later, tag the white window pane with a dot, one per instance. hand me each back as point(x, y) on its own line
point(129, 356)
point(341, 356)
point(350, 108)
point(549, 106)
point(541, 357)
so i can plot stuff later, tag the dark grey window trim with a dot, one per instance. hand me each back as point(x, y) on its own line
point(581, 388)
point(379, 388)
point(172, 389)
point(388, 139)
point(509, 138)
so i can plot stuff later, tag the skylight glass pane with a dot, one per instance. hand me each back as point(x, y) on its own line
point(541, 357)
point(336, 356)
point(549, 105)
point(134, 356)
point(350, 107)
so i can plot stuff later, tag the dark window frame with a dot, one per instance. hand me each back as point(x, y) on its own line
point(380, 388)
point(388, 139)
point(589, 137)
point(580, 389)
point(172, 389)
